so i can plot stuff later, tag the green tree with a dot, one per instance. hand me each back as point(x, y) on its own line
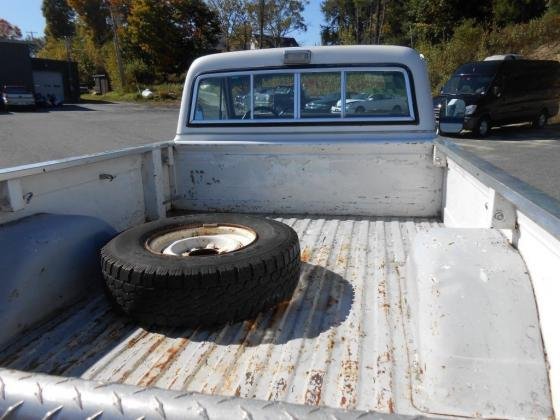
point(95, 16)
point(9, 31)
point(231, 15)
point(169, 35)
point(553, 6)
point(517, 11)
point(282, 17)
point(353, 21)
point(59, 17)
point(436, 20)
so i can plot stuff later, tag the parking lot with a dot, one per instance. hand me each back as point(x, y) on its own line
point(531, 155)
point(27, 137)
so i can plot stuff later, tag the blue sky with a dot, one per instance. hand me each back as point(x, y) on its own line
point(27, 15)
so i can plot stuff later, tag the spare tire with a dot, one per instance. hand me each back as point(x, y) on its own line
point(202, 269)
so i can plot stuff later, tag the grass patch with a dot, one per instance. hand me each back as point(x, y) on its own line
point(167, 93)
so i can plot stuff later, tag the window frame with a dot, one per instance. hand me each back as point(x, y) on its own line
point(411, 119)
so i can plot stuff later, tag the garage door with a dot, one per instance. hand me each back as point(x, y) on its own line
point(49, 83)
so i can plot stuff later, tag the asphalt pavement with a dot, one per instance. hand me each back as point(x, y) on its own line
point(529, 154)
point(73, 130)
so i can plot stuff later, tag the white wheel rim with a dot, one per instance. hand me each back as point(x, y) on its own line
point(208, 239)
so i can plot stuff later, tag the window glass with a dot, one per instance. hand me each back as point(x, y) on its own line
point(240, 90)
point(223, 98)
point(376, 94)
point(320, 95)
point(273, 96)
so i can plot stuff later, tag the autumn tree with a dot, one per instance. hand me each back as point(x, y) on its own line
point(169, 35)
point(9, 31)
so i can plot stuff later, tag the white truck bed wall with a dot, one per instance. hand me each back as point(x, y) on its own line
point(122, 188)
point(479, 195)
point(390, 178)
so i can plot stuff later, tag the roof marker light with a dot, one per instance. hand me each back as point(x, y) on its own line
point(297, 56)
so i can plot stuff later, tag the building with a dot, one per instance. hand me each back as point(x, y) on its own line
point(39, 75)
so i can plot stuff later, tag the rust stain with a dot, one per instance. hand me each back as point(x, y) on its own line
point(313, 393)
point(238, 391)
point(136, 339)
point(152, 348)
point(386, 308)
point(163, 363)
point(305, 254)
point(349, 376)
point(391, 406)
point(279, 312)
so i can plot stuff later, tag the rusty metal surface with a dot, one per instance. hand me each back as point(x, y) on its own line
point(339, 342)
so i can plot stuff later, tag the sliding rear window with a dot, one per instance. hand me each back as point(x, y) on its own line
point(380, 94)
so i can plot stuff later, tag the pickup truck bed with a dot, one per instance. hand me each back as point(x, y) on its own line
point(341, 335)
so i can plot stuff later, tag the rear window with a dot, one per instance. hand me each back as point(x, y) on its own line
point(381, 94)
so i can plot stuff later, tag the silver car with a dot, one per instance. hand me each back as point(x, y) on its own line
point(375, 103)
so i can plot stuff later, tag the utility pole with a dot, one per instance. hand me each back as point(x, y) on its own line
point(116, 43)
point(377, 21)
point(67, 40)
point(261, 23)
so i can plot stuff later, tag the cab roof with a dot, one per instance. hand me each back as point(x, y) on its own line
point(329, 55)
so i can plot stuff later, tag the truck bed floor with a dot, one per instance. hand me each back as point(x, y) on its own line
point(339, 342)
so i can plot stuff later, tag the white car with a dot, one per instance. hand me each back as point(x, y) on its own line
point(17, 96)
point(374, 103)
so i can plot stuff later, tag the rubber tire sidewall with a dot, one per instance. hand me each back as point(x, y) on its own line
point(130, 246)
point(477, 129)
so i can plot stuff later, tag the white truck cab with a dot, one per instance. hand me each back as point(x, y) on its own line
point(428, 283)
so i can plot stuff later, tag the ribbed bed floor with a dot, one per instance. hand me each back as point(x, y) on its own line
point(339, 342)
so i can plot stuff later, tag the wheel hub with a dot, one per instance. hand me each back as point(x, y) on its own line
point(202, 240)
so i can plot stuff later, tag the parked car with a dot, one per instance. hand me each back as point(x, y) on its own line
point(18, 97)
point(278, 100)
point(375, 103)
point(490, 93)
point(322, 104)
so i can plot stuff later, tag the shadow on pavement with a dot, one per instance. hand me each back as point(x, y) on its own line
point(65, 107)
point(95, 101)
point(517, 132)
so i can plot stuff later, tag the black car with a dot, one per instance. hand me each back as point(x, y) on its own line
point(483, 94)
point(322, 104)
